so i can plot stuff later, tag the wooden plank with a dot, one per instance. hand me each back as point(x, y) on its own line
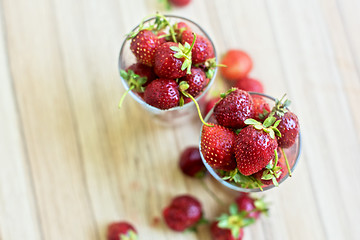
point(49, 130)
point(18, 205)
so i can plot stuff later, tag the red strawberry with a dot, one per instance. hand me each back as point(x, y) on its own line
point(217, 147)
point(162, 93)
point(144, 45)
point(261, 108)
point(289, 128)
point(202, 50)
point(143, 71)
point(191, 163)
point(179, 28)
point(218, 233)
point(161, 39)
point(196, 80)
point(278, 173)
point(166, 64)
point(183, 212)
point(121, 230)
point(180, 3)
point(253, 206)
point(238, 65)
point(250, 85)
point(254, 148)
point(234, 109)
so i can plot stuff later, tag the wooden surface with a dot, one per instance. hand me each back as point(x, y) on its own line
point(71, 162)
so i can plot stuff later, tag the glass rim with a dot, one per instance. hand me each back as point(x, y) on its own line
point(185, 106)
point(238, 188)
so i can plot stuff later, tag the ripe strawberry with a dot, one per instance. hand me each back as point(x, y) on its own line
point(217, 147)
point(143, 71)
point(218, 233)
point(179, 28)
point(166, 64)
point(271, 175)
point(121, 230)
point(250, 85)
point(191, 163)
point(162, 93)
point(255, 145)
point(253, 206)
point(180, 3)
point(144, 45)
point(202, 50)
point(261, 108)
point(161, 39)
point(238, 65)
point(289, 128)
point(234, 109)
point(196, 80)
point(183, 212)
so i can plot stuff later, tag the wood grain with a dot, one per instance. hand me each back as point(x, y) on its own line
point(71, 162)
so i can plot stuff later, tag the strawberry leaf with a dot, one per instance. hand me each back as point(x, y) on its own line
point(251, 121)
point(175, 48)
point(269, 121)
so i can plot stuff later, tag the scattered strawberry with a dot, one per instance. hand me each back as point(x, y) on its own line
point(238, 65)
point(144, 45)
point(180, 3)
point(191, 163)
point(121, 231)
point(184, 212)
point(143, 71)
point(235, 107)
point(250, 85)
point(196, 80)
point(255, 145)
point(210, 104)
point(169, 60)
point(261, 108)
point(162, 93)
point(289, 125)
point(202, 50)
point(218, 233)
point(253, 206)
point(217, 147)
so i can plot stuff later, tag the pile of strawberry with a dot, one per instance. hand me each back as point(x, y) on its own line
point(246, 141)
point(173, 64)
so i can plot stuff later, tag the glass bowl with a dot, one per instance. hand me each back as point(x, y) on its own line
point(292, 153)
point(173, 115)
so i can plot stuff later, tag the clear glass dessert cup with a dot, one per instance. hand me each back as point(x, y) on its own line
point(292, 154)
point(173, 115)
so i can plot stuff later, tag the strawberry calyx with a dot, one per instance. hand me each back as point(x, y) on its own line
point(201, 221)
point(235, 220)
point(183, 86)
point(134, 81)
point(131, 235)
point(261, 206)
point(223, 95)
point(273, 171)
point(281, 106)
point(269, 126)
point(184, 51)
point(210, 66)
point(240, 179)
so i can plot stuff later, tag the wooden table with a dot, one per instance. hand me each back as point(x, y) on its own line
point(71, 162)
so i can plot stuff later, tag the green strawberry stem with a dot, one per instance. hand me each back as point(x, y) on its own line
point(286, 161)
point(124, 95)
point(192, 44)
point(211, 193)
point(198, 108)
point(171, 28)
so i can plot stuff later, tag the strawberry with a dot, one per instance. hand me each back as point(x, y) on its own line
point(238, 63)
point(217, 147)
point(179, 28)
point(120, 231)
point(180, 3)
point(171, 60)
point(250, 85)
point(235, 107)
point(253, 206)
point(161, 36)
point(218, 233)
point(196, 80)
point(191, 164)
point(255, 145)
point(184, 212)
point(143, 71)
point(202, 50)
point(144, 45)
point(162, 93)
point(289, 125)
point(261, 108)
